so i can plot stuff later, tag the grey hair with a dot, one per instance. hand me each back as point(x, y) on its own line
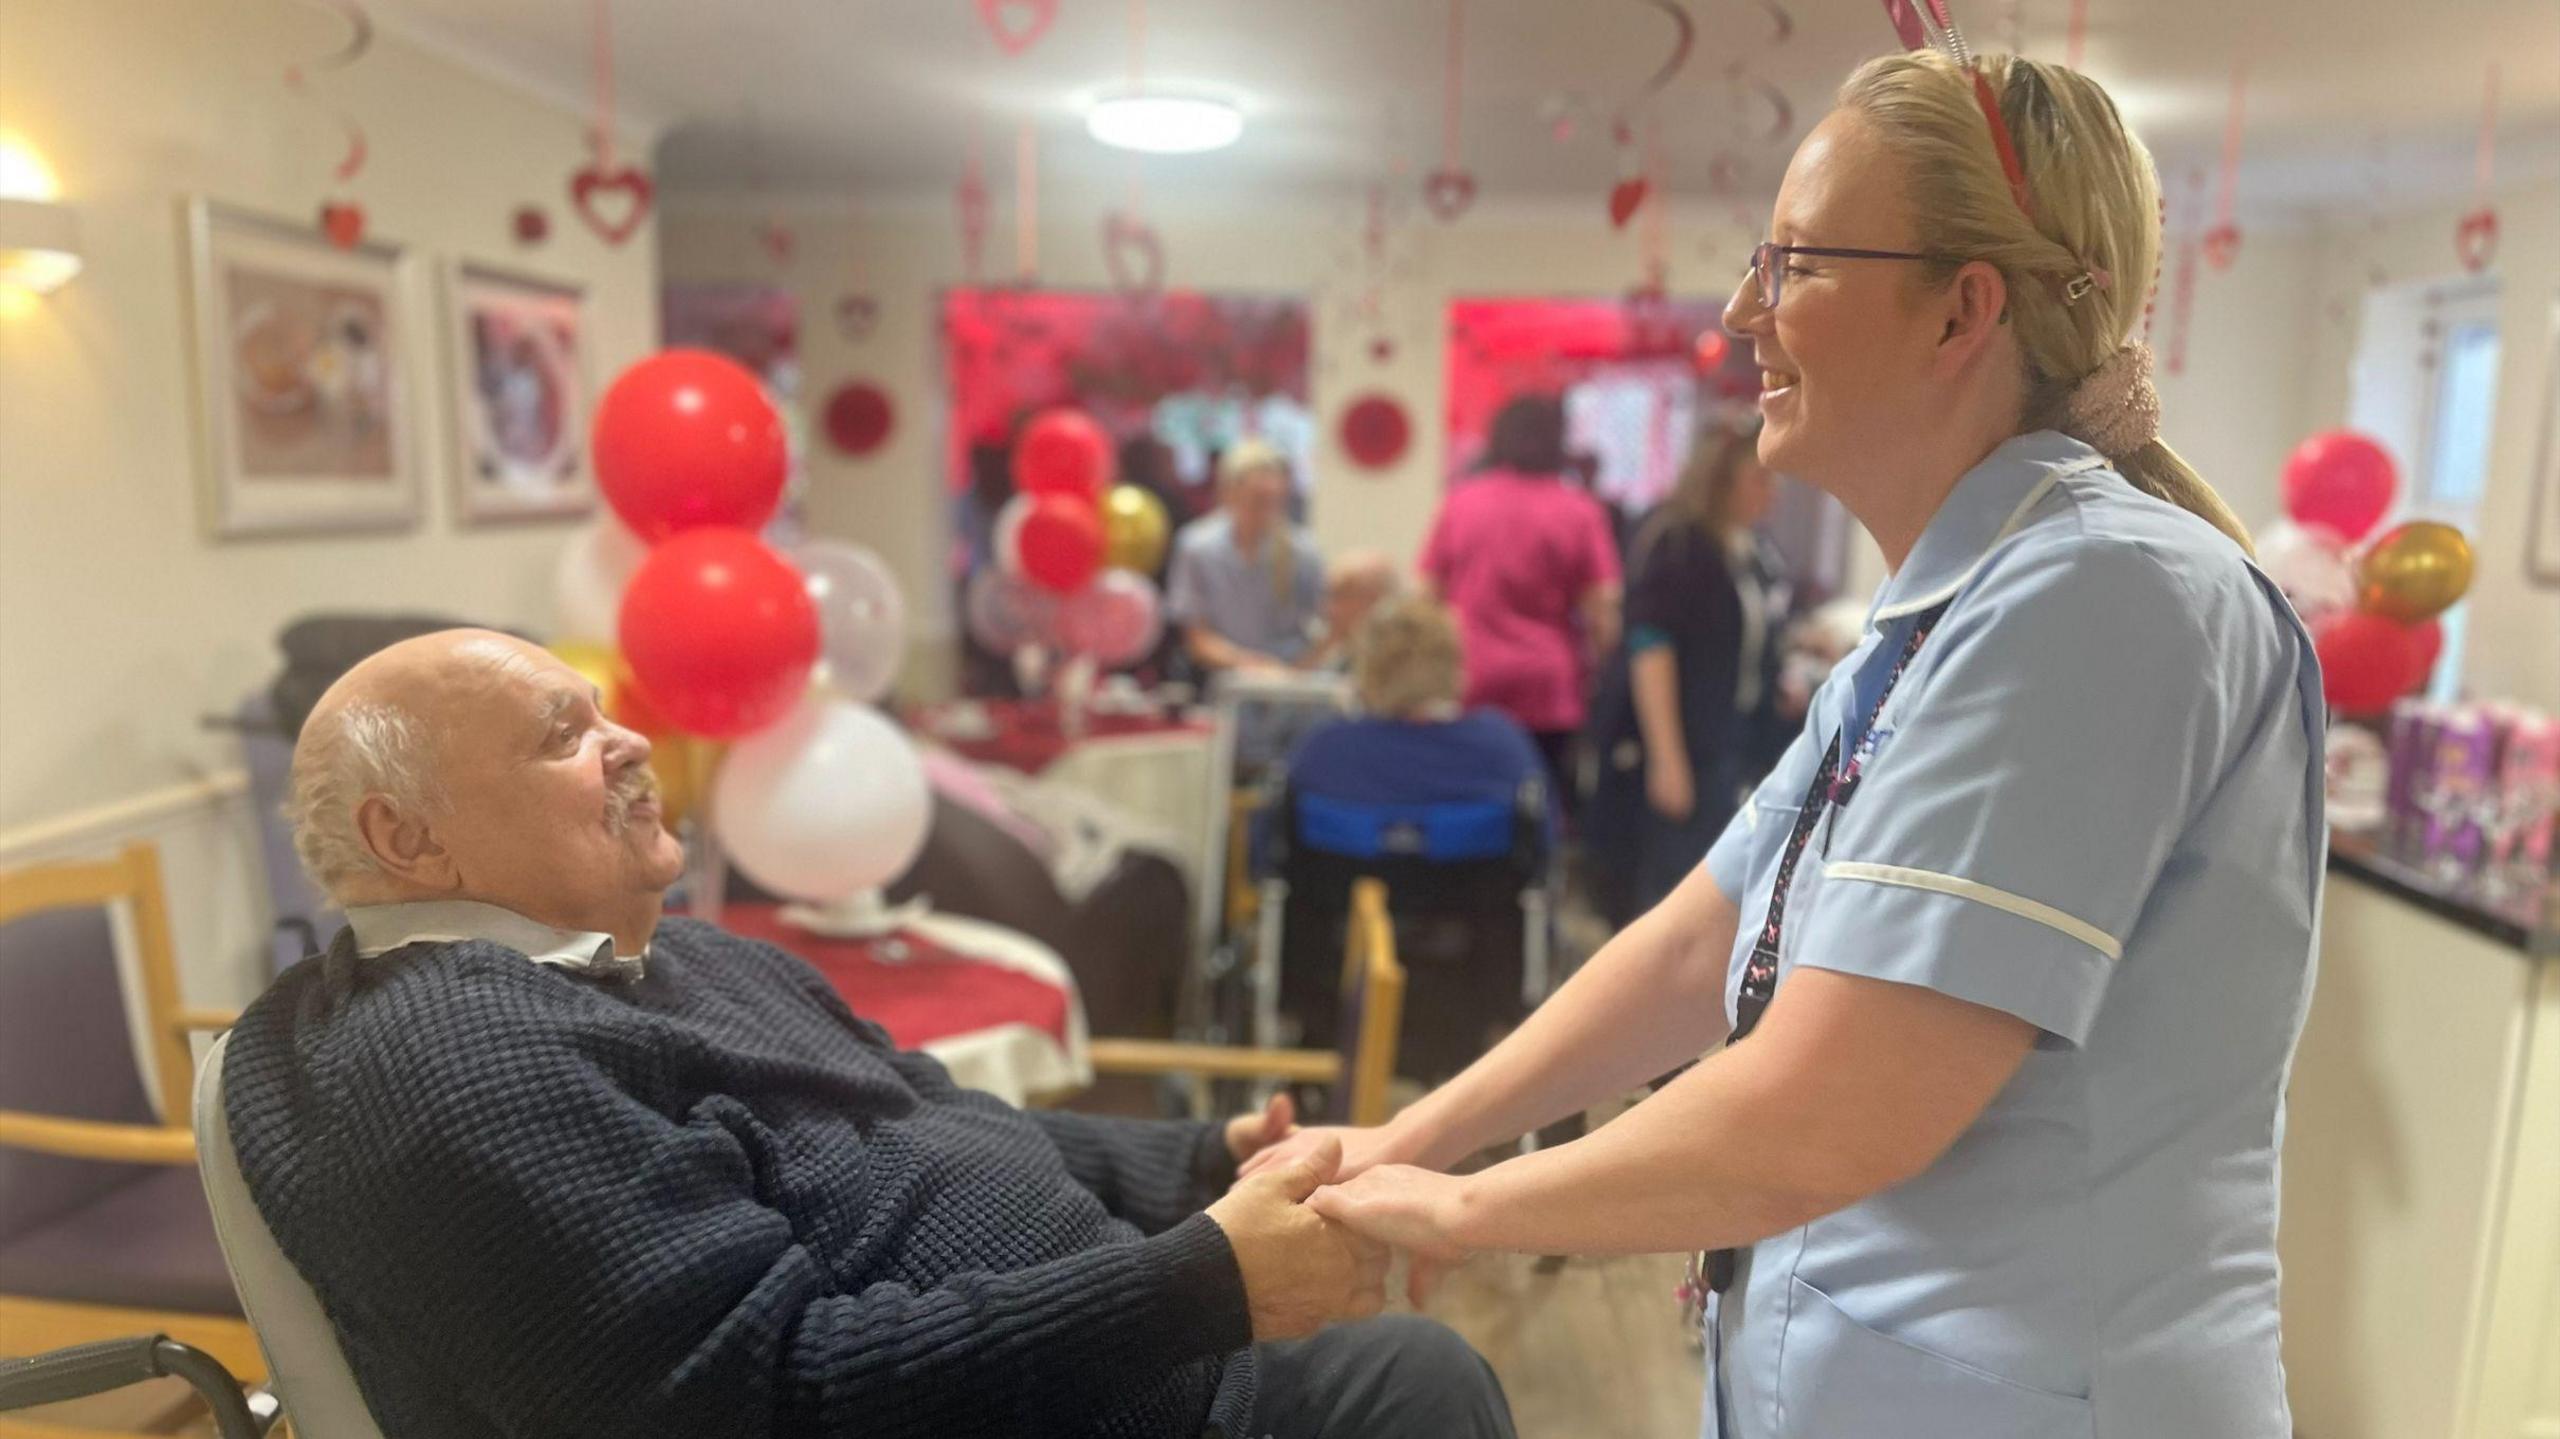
point(344, 755)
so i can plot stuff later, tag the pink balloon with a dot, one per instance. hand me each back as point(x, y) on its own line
point(1007, 611)
point(1117, 619)
point(2341, 480)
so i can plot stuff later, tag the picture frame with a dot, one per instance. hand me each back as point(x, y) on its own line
point(305, 401)
point(2542, 542)
point(516, 348)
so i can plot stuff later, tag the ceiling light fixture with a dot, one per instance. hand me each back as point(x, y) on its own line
point(1161, 124)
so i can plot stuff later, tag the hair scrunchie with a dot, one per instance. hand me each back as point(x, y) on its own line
point(2114, 409)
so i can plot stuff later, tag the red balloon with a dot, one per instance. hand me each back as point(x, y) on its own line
point(1711, 350)
point(1061, 543)
point(719, 632)
point(2430, 640)
point(686, 439)
point(1063, 452)
point(2367, 661)
point(2342, 480)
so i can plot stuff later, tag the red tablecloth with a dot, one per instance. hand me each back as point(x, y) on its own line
point(932, 993)
point(1028, 737)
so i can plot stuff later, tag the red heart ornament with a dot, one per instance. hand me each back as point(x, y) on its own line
point(1626, 197)
point(343, 222)
point(2222, 246)
point(2475, 239)
point(1134, 254)
point(1017, 25)
point(855, 316)
point(1448, 193)
point(777, 239)
point(591, 183)
point(531, 225)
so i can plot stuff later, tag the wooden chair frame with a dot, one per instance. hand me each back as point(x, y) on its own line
point(27, 1325)
point(1368, 963)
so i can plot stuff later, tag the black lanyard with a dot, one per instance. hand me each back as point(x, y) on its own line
point(1830, 791)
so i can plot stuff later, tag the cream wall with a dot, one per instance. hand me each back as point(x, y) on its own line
point(120, 622)
point(2514, 646)
point(2234, 413)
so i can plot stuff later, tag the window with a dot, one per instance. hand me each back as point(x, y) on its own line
point(2426, 386)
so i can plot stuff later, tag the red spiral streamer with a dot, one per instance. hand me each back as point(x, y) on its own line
point(1452, 87)
point(297, 78)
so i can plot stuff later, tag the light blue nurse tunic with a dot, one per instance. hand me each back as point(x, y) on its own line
point(2093, 800)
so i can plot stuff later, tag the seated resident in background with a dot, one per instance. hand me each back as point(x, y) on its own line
point(1354, 586)
point(1246, 584)
point(555, 1167)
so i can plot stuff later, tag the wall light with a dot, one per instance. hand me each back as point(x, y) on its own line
point(1164, 124)
point(39, 237)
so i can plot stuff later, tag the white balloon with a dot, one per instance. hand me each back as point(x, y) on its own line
point(862, 619)
point(587, 586)
point(1008, 534)
point(2309, 563)
point(828, 803)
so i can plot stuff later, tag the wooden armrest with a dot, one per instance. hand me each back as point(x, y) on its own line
point(211, 1021)
point(97, 1139)
point(1218, 1061)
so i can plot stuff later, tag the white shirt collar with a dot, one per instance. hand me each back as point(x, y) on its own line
point(381, 928)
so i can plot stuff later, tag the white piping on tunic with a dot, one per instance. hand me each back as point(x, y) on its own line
point(1999, 899)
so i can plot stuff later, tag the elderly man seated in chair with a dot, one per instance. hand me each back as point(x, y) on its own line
point(555, 1167)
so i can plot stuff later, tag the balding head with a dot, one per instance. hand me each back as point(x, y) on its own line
point(469, 764)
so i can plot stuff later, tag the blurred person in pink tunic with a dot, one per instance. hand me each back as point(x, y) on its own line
point(1530, 565)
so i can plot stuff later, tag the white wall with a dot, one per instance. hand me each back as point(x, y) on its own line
point(2513, 649)
point(2234, 414)
point(120, 622)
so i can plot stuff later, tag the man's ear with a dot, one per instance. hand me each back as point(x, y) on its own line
point(1976, 305)
point(403, 846)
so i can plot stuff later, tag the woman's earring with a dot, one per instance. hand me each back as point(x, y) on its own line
point(2004, 316)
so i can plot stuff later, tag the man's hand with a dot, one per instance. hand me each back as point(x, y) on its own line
point(1301, 1271)
point(1250, 1134)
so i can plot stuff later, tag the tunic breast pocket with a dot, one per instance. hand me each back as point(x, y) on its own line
point(1838, 1379)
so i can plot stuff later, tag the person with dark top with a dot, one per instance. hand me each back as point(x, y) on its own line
point(554, 1167)
point(1529, 564)
point(1682, 704)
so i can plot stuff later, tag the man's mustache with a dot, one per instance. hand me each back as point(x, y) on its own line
point(637, 784)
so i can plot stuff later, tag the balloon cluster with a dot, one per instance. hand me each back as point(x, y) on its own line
point(1073, 551)
point(2371, 601)
point(698, 632)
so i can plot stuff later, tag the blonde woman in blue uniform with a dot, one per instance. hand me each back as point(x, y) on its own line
point(2013, 948)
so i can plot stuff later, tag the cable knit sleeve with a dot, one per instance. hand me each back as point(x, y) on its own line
point(620, 1268)
point(1155, 1173)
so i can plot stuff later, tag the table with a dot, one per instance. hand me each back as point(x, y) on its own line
point(1030, 736)
point(997, 1008)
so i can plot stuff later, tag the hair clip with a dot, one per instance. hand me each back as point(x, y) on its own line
point(2079, 286)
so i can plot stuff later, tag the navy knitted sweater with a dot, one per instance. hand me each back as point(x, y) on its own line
point(713, 1202)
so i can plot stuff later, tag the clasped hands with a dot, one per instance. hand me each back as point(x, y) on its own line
point(1314, 1214)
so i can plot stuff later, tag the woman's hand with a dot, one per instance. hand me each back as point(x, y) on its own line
point(1669, 787)
point(1415, 1210)
point(1362, 1149)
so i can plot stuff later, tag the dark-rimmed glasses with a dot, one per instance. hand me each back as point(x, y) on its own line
point(1769, 273)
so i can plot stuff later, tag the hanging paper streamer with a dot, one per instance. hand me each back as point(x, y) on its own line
point(1017, 25)
point(2222, 242)
point(1783, 21)
point(1026, 207)
point(2182, 286)
point(2475, 235)
point(2013, 25)
point(1684, 39)
point(341, 220)
point(970, 202)
point(1450, 189)
point(2078, 43)
point(595, 187)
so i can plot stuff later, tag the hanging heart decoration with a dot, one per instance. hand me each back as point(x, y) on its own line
point(592, 184)
point(856, 316)
point(2221, 246)
point(1448, 193)
point(1134, 254)
point(343, 222)
point(777, 240)
point(1017, 25)
point(1626, 197)
point(2475, 239)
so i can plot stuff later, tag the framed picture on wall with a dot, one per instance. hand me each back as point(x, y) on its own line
point(304, 405)
point(2542, 546)
point(517, 347)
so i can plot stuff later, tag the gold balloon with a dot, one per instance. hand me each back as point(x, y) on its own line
point(598, 665)
point(1134, 529)
point(2415, 572)
point(682, 762)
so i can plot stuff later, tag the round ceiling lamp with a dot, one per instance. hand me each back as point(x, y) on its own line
point(1160, 124)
